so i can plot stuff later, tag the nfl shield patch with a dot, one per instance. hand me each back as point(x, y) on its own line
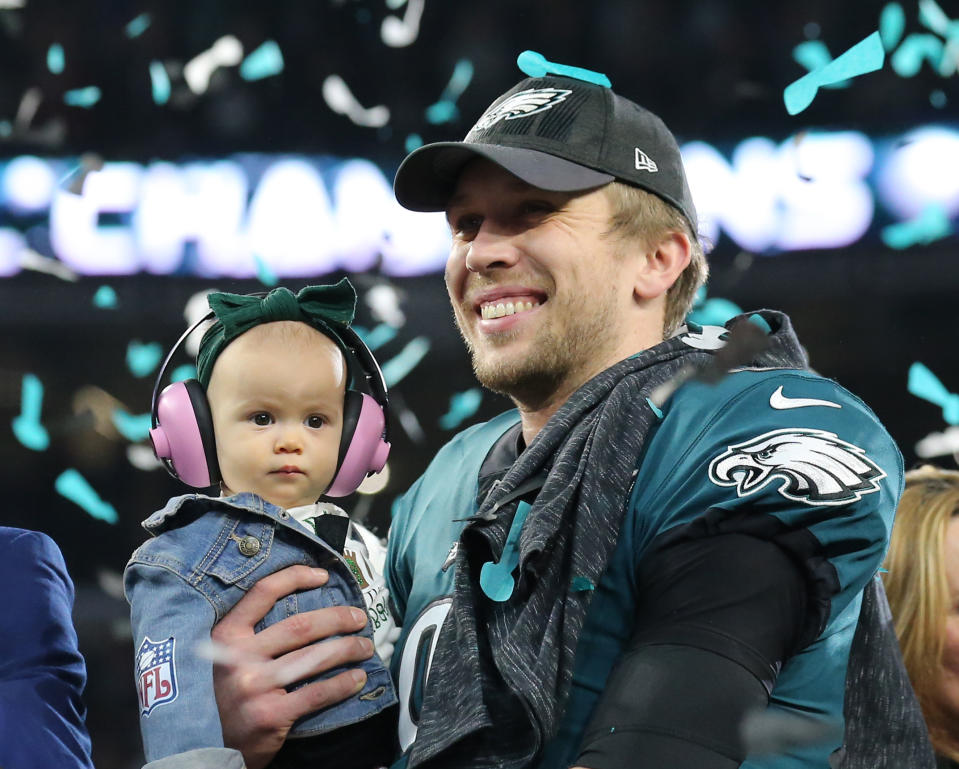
point(156, 674)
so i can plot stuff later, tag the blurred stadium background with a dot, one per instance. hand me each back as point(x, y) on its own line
point(151, 151)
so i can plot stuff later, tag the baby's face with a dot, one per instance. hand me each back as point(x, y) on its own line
point(277, 406)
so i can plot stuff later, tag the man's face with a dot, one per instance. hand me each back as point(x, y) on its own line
point(277, 407)
point(536, 286)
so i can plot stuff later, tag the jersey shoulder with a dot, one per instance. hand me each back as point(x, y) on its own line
point(782, 441)
point(428, 518)
point(455, 466)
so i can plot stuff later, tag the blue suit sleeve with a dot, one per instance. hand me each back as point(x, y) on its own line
point(42, 673)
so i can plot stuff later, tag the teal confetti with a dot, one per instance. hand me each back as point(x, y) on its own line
point(403, 363)
point(534, 65)
point(442, 112)
point(55, 58)
point(142, 358)
point(915, 49)
point(462, 406)
point(105, 298)
point(461, 78)
point(580, 584)
point(265, 61)
point(376, 338)
point(656, 409)
point(496, 577)
point(73, 486)
point(926, 385)
point(865, 56)
point(6, 128)
point(413, 141)
point(949, 61)
point(394, 4)
point(82, 97)
point(884, 571)
point(138, 26)
point(445, 109)
point(133, 427)
point(932, 224)
point(26, 425)
point(933, 17)
point(892, 22)
point(758, 320)
point(184, 372)
point(159, 82)
point(813, 55)
point(938, 99)
point(264, 273)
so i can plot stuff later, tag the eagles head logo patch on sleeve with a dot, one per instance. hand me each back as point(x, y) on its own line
point(522, 104)
point(815, 467)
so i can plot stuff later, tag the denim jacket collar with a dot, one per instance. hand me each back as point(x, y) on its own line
point(245, 501)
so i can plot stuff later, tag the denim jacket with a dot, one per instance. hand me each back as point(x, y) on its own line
point(205, 553)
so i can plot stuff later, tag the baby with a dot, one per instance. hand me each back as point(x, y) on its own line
point(273, 373)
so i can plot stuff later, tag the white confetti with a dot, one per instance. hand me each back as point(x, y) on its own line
point(399, 33)
point(111, 583)
point(340, 99)
point(226, 52)
point(384, 303)
point(28, 108)
point(31, 260)
point(196, 307)
point(939, 444)
point(142, 457)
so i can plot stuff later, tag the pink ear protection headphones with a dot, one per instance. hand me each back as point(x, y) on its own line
point(183, 439)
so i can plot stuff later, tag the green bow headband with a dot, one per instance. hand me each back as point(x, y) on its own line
point(322, 307)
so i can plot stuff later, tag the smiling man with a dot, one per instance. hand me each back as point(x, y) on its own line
point(650, 550)
point(659, 594)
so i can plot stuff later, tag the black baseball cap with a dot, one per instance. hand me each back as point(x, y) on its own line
point(556, 133)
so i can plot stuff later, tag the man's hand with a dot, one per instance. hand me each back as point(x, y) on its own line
point(256, 711)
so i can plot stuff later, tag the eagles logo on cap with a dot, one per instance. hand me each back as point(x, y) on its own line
point(522, 104)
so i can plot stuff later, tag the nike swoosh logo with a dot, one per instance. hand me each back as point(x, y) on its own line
point(779, 401)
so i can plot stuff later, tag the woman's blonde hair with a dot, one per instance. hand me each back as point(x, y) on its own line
point(919, 591)
point(647, 217)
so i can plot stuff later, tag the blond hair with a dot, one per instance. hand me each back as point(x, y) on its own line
point(287, 332)
point(648, 218)
point(918, 590)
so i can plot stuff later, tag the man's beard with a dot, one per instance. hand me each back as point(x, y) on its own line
point(558, 353)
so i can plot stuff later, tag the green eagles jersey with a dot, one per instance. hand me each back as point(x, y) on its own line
point(780, 454)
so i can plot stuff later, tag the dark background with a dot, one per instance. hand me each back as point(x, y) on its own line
point(714, 70)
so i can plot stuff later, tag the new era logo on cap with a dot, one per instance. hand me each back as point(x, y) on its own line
point(644, 162)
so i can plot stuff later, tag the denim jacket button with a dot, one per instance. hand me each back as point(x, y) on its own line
point(249, 546)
